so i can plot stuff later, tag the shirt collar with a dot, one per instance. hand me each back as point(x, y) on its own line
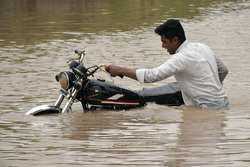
point(185, 43)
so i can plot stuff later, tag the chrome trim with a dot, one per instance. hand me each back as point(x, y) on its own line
point(59, 100)
point(78, 71)
point(41, 108)
point(63, 92)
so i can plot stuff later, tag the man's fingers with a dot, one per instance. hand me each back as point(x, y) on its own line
point(113, 70)
point(107, 68)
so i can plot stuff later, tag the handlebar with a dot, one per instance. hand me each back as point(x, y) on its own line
point(81, 55)
point(79, 52)
point(94, 70)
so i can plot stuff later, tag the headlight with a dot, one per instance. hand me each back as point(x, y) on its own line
point(66, 79)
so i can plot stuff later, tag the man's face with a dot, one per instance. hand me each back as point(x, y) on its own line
point(167, 44)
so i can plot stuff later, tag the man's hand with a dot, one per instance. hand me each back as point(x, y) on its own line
point(113, 70)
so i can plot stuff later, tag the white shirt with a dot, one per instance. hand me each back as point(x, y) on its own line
point(198, 72)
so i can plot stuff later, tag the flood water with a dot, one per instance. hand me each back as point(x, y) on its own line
point(38, 37)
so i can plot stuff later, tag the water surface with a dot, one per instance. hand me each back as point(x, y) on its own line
point(38, 37)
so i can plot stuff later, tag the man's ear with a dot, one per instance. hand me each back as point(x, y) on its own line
point(176, 40)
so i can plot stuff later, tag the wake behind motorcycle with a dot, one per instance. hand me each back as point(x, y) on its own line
point(78, 86)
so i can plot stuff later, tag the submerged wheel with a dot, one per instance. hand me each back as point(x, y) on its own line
point(46, 112)
point(43, 110)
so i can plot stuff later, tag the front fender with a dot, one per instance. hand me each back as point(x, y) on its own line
point(43, 109)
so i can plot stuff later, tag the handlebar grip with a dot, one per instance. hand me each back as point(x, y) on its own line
point(76, 51)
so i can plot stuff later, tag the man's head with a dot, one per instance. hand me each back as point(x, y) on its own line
point(172, 35)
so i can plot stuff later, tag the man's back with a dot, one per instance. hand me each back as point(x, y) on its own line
point(198, 77)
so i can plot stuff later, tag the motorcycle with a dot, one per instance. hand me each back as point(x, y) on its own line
point(78, 86)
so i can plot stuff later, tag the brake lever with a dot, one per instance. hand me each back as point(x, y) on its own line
point(72, 59)
point(102, 67)
point(79, 53)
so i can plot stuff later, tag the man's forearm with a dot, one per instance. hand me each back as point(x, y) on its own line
point(121, 71)
point(131, 73)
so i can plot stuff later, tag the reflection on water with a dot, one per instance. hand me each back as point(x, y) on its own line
point(38, 37)
point(200, 134)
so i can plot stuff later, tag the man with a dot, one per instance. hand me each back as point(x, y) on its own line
point(198, 71)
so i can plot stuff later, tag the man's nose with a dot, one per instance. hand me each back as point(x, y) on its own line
point(163, 45)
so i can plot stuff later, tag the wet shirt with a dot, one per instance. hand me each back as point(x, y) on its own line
point(198, 72)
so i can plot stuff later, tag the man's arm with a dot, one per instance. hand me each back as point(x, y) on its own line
point(121, 71)
point(222, 69)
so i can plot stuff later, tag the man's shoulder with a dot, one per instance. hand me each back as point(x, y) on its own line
point(196, 44)
point(190, 50)
point(194, 47)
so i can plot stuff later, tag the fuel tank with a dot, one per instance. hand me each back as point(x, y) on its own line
point(100, 92)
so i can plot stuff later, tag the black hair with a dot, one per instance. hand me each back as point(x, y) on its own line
point(170, 29)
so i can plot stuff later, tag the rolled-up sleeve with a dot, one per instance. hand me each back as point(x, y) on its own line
point(140, 75)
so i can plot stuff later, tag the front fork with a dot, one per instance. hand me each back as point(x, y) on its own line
point(59, 100)
point(70, 96)
point(70, 101)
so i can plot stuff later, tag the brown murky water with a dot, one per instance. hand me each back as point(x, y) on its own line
point(38, 37)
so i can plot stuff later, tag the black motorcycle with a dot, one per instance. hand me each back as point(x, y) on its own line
point(76, 86)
